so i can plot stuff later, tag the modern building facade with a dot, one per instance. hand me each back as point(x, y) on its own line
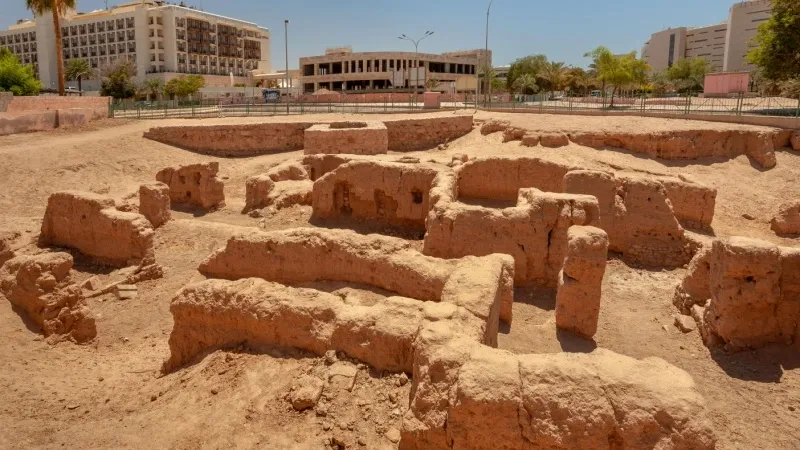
point(162, 40)
point(724, 46)
point(341, 70)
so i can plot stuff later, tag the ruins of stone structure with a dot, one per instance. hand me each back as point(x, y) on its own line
point(154, 203)
point(787, 219)
point(440, 327)
point(41, 286)
point(795, 140)
point(580, 280)
point(91, 224)
point(6, 252)
point(691, 144)
point(743, 293)
point(358, 138)
point(194, 184)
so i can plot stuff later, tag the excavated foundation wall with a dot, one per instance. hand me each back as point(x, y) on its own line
point(672, 145)
point(743, 293)
point(309, 254)
point(567, 400)
point(194, 184)
point(91, 224)
point(393, 194)
point(426, 133)
point(358, 138)
point(268, 138)
point(233, 140)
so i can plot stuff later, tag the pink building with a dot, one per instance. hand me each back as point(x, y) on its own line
point(726, 83)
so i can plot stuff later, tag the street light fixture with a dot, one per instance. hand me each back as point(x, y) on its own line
point(286, 43)
point(486, 56)
point(416, 55)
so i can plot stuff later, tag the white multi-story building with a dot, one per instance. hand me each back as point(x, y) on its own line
point(724, 46)
point(162, 40)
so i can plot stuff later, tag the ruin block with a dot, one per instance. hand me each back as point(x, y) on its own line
point(40, 285)
point(426, 132)
point(91, 224)
point(384, 193)
point(580, 280)
point(553, 140)
point(6, 252)
point(787, 219)
point(194, 184)
point(693, 203)
point(233, 140)
point(359, 138)
point(154, 203)
point(795, 141)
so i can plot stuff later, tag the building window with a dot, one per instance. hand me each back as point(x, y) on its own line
point(671, 58)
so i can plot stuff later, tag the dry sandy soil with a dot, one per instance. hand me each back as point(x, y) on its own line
point(111, 394)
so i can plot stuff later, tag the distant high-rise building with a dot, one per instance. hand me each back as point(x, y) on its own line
point(162, 40)
point(724, 46)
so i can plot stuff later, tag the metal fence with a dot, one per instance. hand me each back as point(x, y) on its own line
point(679, 105)
point(254, 107)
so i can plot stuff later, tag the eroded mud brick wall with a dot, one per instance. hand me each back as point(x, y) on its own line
point(233, 140)
point(426, 133)
point(91, 224)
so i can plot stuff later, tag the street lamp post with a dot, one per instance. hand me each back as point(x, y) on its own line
point(286, 43)
point(486, 56)
point(416, 55)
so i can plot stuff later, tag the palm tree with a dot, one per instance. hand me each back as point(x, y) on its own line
point(555, 74)
point(57, 7)
point(77, 69)
point(153, 86)
point(580, 80)
point(524, 84)
point(487, 75)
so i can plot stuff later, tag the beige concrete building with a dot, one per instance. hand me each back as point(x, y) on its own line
point(161, 39)
point(341, 70)
point(724, 45)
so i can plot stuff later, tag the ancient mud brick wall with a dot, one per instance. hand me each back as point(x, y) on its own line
point(154, 203)
point(580, 280)
point(681, 144)
point(787, 219)
point(693, 203)
point(501, 178)
point(233, 140)
point(564, 400)
point(194, 184)
point(358, 138)
point(534, 232)
point(309, 254)
point(394, 194)
point(91, 224)
point(426, 133)
point(51, 102)
point(41, 286)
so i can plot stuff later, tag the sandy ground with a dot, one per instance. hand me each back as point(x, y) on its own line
point(111, 394)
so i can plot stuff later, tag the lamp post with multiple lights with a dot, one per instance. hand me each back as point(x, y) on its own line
point(416, 55)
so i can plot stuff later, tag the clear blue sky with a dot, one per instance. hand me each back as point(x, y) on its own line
point(563, 30)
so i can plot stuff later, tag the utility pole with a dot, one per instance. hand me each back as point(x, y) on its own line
point(486, 56)
point(286, 43)
point(416, 55)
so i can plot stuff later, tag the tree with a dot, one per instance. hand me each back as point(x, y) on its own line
point(77, 69)
point(620, 71)
point(791, 88)
point(58, 8)
point(117, 80)
point(184, 86)
point(778, 42)
point(487, 77)
point(153, 86)
point(688, 73)
point(554, 74)
point(580, 80)
point(661, 83)
point(530, 65)
point(16, 78)
point(525, 84)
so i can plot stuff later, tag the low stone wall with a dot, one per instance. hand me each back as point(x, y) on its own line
point(743, 293)
point(91, 224)
point(670, 145)
point(358, 138)
point(233, 140)
point(393, 194)
point(426, 133)
point(27, 122)
point(54, 102)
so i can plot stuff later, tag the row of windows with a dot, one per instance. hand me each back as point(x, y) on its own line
point(212, 62)
point(99, 39)
point(20, 48)
point(18, 38)
point(102, 50)
point(98, 27)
